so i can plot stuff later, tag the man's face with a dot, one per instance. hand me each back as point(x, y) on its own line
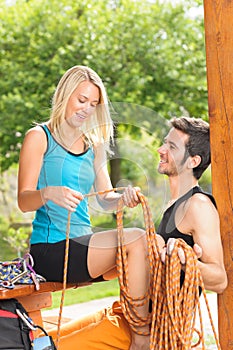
point(172, 153)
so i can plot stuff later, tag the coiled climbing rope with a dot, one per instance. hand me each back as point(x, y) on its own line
point(173, 314)
point(174, 307)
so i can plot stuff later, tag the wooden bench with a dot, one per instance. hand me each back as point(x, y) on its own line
point(35, 300)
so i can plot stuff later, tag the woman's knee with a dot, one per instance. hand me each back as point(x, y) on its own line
point(136, 237)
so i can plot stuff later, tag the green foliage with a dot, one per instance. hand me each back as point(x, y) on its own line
point(148, 53)
point(138, 153)
point(18, 239)
point(205, 180)
point(6, 252)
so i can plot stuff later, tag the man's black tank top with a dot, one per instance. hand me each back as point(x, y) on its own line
point(167, 227)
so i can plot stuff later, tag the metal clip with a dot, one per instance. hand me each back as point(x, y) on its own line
point(6, 284)
point(27, 320)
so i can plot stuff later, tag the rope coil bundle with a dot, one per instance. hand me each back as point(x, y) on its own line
point(174, 307)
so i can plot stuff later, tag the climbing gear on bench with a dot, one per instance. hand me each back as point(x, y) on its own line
point(19, 271)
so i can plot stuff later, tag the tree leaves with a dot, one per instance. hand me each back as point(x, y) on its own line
point(148, 53)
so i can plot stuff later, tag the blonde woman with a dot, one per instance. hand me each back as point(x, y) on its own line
point(61, 160)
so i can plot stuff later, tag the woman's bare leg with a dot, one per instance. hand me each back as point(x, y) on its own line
point(110, 275)
point(102, 259)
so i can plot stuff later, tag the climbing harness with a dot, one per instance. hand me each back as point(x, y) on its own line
point(174, 307)
point(19, 271)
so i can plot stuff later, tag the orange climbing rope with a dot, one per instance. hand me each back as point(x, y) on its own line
point(173, 314)
point(174, 308)
point(64, 279)
point(66, 257)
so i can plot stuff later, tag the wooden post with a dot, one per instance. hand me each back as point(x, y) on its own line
point(218, 19)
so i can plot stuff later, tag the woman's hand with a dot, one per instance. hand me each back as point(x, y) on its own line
point(130, 196)
point(62, 196)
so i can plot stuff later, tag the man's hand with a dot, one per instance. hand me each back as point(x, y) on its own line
point(168, 249)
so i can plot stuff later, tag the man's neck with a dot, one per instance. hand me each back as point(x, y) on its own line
point(180, 185)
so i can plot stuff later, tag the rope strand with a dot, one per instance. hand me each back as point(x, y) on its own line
point(64, 279)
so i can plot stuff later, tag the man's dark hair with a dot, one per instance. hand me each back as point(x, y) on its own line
point(198, 143)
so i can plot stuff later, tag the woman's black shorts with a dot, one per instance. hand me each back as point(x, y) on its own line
point(49, 260)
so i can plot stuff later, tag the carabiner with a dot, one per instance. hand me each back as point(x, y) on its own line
point(6, 284)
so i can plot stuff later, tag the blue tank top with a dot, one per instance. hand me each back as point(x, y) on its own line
point(63, 168)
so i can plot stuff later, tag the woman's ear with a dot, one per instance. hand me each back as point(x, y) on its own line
point(194, 161)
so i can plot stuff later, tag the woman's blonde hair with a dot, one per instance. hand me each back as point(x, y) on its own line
point(98, 128)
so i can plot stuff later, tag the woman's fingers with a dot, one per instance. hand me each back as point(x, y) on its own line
point(130, 196)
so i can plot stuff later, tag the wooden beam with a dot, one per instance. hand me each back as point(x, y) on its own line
point(218, 19)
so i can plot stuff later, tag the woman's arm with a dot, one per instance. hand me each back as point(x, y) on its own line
point(30, 163)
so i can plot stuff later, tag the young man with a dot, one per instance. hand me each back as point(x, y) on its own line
point(191, 214)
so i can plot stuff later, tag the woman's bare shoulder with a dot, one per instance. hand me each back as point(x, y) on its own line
point(35, 137)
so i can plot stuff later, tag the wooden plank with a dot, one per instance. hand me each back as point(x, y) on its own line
point(51, 322)
point(36, 302)
point(28, 289)
point(218, 15)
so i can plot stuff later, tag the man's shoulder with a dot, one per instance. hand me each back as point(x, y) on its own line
point(202, 198)
point(200, 204)
point(198, 211)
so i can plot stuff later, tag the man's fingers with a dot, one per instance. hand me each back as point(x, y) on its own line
point(170, 246)
point(198, 250)
point(181, 256)
point(163, 255)
point(169, 249)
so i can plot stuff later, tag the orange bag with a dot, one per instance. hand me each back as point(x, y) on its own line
point(104, 330)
